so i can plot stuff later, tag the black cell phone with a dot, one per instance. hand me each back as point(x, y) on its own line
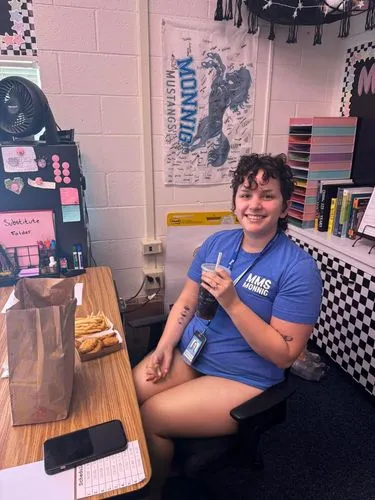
point(83, 446)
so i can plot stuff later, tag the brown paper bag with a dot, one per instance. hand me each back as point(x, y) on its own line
point(40, 337)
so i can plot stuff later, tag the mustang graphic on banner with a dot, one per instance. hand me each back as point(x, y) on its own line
point(208, 87)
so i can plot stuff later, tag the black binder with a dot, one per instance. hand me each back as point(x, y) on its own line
point(363, 167)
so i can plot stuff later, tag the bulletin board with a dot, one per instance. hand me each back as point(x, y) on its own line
point(358, 92)
point(17, 29)
point(42, 178)
point(186, 231)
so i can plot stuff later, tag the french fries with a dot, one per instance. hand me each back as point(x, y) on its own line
point(94, 334)
point(90, 324)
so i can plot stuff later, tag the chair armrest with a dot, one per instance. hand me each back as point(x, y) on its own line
point(148, 321)
point(264, 401)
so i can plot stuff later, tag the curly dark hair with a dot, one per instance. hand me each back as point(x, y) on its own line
point(274, 167)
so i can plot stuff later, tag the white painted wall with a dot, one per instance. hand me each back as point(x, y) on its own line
point(89, 59)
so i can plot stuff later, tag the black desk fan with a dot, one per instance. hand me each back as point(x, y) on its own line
point(24, 111)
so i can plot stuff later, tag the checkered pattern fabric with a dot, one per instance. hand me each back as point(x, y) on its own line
point(346, 326)
point(29, 48)
point(361, 52)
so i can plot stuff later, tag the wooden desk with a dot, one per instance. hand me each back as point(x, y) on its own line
point(103, 388)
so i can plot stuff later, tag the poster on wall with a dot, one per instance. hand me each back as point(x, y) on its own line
point(358, 92)
point(17, 29)
point(208, 100)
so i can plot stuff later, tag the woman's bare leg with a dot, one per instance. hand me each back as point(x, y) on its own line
point(196, 408)
point(179, 373)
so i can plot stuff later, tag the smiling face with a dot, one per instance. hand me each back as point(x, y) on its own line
point(258, 207)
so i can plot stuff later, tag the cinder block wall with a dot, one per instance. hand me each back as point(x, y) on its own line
point(89, 58)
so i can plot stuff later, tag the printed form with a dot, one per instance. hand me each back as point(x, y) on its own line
point(110, 473)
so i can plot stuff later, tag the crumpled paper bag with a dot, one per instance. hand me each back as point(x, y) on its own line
point(40, 338)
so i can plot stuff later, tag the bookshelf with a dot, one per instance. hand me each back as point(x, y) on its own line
point(318, 148)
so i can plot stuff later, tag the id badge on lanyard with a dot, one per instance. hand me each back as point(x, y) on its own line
point(194, 347)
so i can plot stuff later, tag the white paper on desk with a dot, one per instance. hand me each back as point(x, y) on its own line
point(4, 373)
point(10, 302)
point(30, 482)
point(78, 291)
point(110, 473)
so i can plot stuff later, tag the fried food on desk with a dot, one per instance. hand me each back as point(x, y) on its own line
point(91, 324)
point(90, 345)
point(78, 342)
point(97, 348)
point(110, 339)
point(93, 334)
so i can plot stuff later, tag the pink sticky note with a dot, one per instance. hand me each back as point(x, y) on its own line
point(69, 196)
point(26, 228)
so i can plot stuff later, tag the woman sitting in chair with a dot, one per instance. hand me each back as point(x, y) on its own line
point(269, 303)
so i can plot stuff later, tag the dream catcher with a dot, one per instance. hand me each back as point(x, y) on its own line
point(295, 13)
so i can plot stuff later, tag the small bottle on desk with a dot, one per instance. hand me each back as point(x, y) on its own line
point(80, 256)
point(63, 265)
point(75, 257)
point(52, 265)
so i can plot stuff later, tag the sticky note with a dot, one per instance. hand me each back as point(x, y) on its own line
point(69, 196)
point(71, 213)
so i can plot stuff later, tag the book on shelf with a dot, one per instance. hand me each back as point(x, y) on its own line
point(367, 224)
point(347, 207)
point(328, 190)
point(332, 214)
point(345, 203)
point(359, 205)
point(338, 211)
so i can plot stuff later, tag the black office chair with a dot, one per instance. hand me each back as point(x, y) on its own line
point(195, 457)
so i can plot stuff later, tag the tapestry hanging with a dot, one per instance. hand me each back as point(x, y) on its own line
point(208, 90)
point(295, 13)
point(358, 91)
point(17, 29)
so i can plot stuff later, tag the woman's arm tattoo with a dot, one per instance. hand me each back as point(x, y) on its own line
point(287, 338)
point(182, 319)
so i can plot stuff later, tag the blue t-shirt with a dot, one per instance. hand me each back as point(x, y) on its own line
point(285, 282)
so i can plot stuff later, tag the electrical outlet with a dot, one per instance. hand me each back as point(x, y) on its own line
point(152, 274)
point(152, 247)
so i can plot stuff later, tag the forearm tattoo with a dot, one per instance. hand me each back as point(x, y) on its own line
point(182, 319)
point(287, 338)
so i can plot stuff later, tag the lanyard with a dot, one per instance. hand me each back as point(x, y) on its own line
point(249, 267)
point(255, 261)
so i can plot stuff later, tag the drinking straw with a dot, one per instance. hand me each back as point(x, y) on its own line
point(218, 260)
